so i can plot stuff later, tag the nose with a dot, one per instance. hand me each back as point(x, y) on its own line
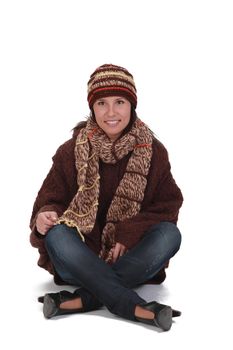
point(111, 110)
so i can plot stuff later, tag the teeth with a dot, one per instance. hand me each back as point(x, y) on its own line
point(113, 122)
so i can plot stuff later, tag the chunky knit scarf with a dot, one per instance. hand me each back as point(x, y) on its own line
point(93, 144)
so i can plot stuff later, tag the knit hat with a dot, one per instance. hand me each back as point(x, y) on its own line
point(111, 80)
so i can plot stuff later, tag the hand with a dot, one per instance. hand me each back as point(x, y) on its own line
point(45, 221)
point(118, 251)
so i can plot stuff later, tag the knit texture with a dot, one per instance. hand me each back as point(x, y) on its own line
point(111, 80)
point(92, 144)
point(161, 202)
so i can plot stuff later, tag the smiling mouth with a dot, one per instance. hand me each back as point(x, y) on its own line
point(112, 122)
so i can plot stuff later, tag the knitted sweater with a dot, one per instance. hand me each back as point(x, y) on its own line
point(161, 202)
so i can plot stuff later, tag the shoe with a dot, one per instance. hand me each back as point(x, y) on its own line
point(163, 315)
point(176, 313)
point(40, 299)
point(52, 302)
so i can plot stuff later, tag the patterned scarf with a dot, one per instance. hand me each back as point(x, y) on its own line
point(93, 144)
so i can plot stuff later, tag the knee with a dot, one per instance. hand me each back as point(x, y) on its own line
point(55, 239)
point(170, 234)
point(63, 243)
point(52, 238)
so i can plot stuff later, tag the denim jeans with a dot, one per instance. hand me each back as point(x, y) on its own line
point(111, 285)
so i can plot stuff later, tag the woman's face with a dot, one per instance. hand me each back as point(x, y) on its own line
point(112, 114)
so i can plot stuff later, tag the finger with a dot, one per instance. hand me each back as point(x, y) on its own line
point(53, 216)
point(122, 252)
point(122, 248)
point(47, 221)
point(116, 252)
point(43, 229)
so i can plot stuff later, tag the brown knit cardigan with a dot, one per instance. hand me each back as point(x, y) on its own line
point(161, 202)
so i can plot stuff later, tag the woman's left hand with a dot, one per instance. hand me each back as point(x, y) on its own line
point(118, 251)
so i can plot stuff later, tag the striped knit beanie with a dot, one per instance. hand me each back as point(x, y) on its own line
point(111, 80)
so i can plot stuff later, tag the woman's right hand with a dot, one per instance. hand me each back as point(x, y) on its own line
point(45, 221)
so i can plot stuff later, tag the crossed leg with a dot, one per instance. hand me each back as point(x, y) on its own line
point(111, 285)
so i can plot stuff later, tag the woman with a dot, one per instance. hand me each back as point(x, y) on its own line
point(105, 217)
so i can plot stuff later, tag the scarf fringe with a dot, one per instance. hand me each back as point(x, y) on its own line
point(92, 144)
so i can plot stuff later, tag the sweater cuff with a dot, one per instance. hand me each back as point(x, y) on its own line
point(38, 234)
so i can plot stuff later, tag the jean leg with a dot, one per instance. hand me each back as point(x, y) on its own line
point(160, 243)
point(71, 257)
point(89, 301)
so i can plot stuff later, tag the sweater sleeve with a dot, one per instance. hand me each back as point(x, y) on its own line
point(165, 202)
point(55, 193)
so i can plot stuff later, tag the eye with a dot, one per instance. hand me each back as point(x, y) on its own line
point(100, 103)
point(120, 102)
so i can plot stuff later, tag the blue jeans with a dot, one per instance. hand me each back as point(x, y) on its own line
point(111, 285)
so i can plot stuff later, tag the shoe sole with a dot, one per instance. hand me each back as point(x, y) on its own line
point(49, 307)
point(164, 318)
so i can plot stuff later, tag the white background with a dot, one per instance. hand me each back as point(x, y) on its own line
point(180, 53)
